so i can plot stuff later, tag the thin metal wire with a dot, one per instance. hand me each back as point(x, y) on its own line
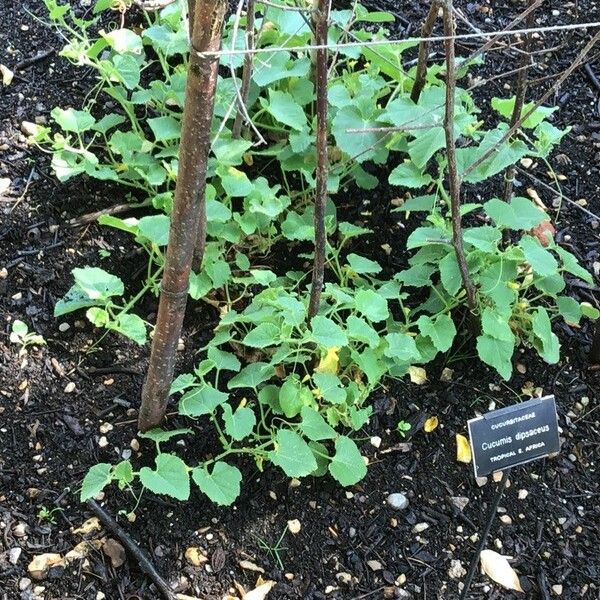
point(412, 40)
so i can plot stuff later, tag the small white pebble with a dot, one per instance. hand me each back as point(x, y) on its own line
point(64, 327)
point(103, 442)
point(70, 387)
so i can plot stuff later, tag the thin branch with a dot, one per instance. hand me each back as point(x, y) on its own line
point(247, 69)
point(511, 131)
point(520, 91)
point(426, 30)
point(145, 565)
point(453, 179)
point(321, 26)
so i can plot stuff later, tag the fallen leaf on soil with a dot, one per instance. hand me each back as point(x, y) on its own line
point(82, 549)
point(463, 449)
point(418, 375)
point(195, 557)
point(115, 552)
point(446, 375)
point(250, 566)
point(431, 424)
point(496, 567)
point(4, 184)
point(536, 198)
point(544, 232)
point(259, 592)
point(88, 526)
point(7, 75)
point(330, 362)
point(39, 566)
point(294, 526)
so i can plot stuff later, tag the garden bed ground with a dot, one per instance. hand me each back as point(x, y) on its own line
point(49, 436)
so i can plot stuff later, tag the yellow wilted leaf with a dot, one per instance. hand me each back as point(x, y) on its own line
point(431, 424)
point(330, 362)
point(463, 449)
point(418, 375)
point(90, 525)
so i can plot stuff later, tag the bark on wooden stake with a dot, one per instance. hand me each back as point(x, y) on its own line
point(454, 183)
point(520, 91)
point(188, 221)
point(247, 70)
point(320, 23)
point(421, 72)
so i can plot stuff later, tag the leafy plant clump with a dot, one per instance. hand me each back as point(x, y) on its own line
point(277, 386)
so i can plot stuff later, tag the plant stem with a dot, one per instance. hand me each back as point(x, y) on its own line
point(521, 88)
point(453, 179)
point(188, 221)
point(421, 72)
point(321, 25)
point(247, 70)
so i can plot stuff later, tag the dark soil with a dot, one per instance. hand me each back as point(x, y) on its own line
point(49, 436)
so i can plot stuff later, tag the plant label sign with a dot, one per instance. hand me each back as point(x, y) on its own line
point(514, 435)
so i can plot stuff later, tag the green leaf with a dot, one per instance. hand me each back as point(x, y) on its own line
point(484, 238)
point(123, 473)
point(549, 346)
point(362, 145)
point(170, 477)
point(327, 333)
point(293, 395)
point(160, 435)
point(286, 110)
point(97, 284)
point(401, 347)
point(521, 213)
point(277, 66)
point(223, 360)
point(495, 324)
point(589, 311)
point(131, 326)
point(292, 454)
point(362, 265)
point(165, 128)
point(222, 486)
point(321, 456)
point(182, 382)
point(129, 70)
point(96, 479)
point(496, 353)
point(347, 465)
point(440, 330)
point(425, 144)
point(416, 276)
point(266, 334)
point(235, 182)
point(76, 121)
point(238, 424)
point(450, 273)
point(155, 228)
point(73, 300)
point(571, 265)
point(123, 40)
point(201, 401)
point(425, 236)
point(569, 309)
point(314, 425)
point(408, 175)
point(418, 203)
point(330, 387)
point(359, 329)
point(506, 106)
point(252, 375)
point(371, 305)
point(541, 260)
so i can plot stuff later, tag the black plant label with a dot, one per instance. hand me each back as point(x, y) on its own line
point(514, 435)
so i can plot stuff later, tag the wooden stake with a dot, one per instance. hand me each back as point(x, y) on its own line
point(188, 221)
point(520, 91)
point(421, 72)
point(247, 70)
point(454, 183)
point(321, 25)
